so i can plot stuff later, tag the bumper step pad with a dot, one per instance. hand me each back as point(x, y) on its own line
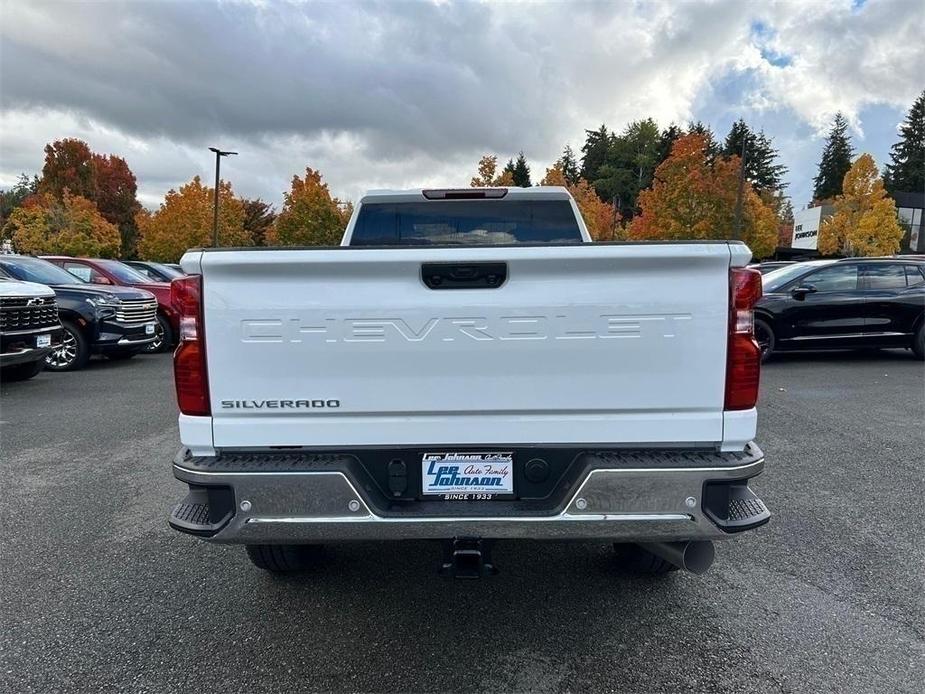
point(196, 515)
point(734, 507)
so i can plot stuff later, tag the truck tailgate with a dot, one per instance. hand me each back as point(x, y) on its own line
point(581, 345)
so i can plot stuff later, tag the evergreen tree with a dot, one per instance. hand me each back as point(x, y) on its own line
point(906, 170)
point(835, 162)
point(700, 128)
point(630, 165)
point(520, 172)
point(14, 197)
point(665, 141)
point(594, 152)
point(569, 166)
point(761, 168)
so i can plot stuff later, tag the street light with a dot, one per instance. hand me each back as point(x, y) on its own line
point(218, 162)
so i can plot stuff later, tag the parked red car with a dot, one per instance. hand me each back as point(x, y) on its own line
point(104, 271)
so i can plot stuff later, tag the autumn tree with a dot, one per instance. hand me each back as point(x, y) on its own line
point(835, 161)
point(864, 222)
point(259, 217)
point(69, 166)
point(310, 215)
point(601, 218)
point(69, 225)
point(906, 170)
point(116, 197)
point(184, 220)
point(692, 198)
point(487, 178)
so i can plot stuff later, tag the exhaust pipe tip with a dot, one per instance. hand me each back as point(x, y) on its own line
point(694, 556)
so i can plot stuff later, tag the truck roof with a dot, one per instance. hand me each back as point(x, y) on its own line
point(494, 193)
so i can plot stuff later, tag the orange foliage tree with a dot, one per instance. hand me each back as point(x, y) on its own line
point(69, 225)
point(488, 175)
point(601, 218)
point(310, 216)
point(184, 220)
point(691, 198)
point(865, 221)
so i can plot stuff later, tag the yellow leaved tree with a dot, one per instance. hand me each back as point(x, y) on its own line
point(310, 215)
point(864, 222)
point(70, 225)
point(488, 174)
point(184, 220)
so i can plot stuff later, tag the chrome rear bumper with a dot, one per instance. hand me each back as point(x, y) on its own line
point(623, 504)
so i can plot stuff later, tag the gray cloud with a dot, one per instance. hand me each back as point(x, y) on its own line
point(411, 93)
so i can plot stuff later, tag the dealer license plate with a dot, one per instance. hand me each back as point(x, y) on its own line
point(467, 475)
point(43, 340)
point(149, 329)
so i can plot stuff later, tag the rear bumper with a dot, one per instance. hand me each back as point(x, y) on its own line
point(256, 499)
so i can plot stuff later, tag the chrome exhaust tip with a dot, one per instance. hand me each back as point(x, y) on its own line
point(694, 556)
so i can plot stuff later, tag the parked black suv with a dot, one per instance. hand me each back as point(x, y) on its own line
point(114, 321)
point(843, 304)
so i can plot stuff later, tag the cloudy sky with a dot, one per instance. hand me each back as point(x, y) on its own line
point(409, 94)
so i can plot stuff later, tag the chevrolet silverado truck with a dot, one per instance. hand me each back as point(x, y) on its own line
point(467, 367)
point(29, 328)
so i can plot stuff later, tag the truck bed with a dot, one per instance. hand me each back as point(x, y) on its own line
point(618, 345)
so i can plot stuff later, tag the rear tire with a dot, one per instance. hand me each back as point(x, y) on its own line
point(764, 336)
point(635, 559)
point(281, 559)
point(918, 343)
point(23, 372)
point(74, 352)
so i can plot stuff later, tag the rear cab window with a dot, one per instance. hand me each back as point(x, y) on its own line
point(465, 223)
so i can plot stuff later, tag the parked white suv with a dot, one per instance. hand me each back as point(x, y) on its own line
point(469, 368)
point(29, 328)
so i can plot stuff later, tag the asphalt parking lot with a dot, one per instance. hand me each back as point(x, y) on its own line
point(97, 594)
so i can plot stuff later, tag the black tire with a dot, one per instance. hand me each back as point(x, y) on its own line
point(74, 352)
point(163, 337)
point(280, 559)
point(764, 336)
point(121, 355)
point(635, 559)
point(918, 343)
point(23, 372)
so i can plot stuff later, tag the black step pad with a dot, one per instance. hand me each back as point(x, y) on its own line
point(195, 515)
point(734, 507)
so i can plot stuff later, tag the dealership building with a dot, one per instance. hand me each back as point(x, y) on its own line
point(806, 223)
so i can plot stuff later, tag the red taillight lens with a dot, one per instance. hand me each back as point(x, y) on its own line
point(189, 361)
point(743, 356)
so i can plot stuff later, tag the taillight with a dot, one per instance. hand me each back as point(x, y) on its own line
point(189, 360)
point(743, 356)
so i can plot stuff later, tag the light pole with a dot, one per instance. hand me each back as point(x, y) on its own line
point(218, 163)
point(737, 219)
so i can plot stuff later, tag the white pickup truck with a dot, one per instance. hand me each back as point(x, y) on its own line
point(468, 367)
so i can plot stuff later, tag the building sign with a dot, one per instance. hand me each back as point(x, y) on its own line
point(806, 225)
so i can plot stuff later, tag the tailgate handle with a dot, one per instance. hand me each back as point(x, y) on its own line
point(464, 275)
